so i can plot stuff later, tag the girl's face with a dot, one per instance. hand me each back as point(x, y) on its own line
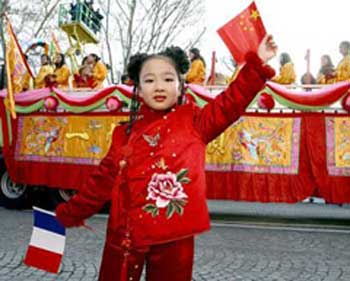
point(159, 84)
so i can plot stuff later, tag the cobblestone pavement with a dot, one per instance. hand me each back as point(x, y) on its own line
point(229, 252)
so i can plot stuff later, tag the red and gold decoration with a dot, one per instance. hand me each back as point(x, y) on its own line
point(65, 139)
point(269, 145)
point(266, 101)
point(338, 145)
point(51, 145)
point(346, 102)
point(113, 104)
point(51, 103)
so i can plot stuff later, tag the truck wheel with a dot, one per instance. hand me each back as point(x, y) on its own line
point(14, 196)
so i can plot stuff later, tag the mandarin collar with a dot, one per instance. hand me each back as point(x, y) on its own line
point(148, 114)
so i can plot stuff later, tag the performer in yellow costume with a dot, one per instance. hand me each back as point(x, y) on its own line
point(99, 70)
point(343, 68)
point(326, 74)
point(62, 72)
point(196, 74)
point(45, 70)
point(287, 73)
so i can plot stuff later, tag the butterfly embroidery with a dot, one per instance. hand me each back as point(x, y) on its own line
point(152, 140)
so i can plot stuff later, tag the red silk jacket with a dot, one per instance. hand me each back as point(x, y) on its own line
point(155, 177)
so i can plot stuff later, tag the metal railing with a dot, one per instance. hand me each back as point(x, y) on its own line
point(80, 13)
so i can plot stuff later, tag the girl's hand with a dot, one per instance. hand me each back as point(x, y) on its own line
point(267, 48)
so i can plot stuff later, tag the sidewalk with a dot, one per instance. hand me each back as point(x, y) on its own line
point(280, 210)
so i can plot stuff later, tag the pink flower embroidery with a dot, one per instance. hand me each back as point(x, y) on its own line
point(167, 192)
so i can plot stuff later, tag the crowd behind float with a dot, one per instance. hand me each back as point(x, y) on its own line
point(92, 72)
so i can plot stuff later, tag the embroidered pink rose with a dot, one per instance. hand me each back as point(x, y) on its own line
point(167, 192)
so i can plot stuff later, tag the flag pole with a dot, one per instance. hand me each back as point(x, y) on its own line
point(3, 78)
point(308, 74)
point(212, 72)
point(10, 97)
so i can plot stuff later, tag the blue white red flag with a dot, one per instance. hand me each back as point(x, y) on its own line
point(47, 243)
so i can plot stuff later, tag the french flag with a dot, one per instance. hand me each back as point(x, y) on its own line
point(46, 246)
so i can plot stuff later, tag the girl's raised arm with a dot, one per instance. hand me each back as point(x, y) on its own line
point(217, 115)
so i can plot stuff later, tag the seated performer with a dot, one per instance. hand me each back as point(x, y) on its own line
point(287, 73)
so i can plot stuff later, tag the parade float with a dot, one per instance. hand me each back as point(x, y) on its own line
point(289, 145)
point(58, 137)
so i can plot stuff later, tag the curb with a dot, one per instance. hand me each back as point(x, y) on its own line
point(279, 210)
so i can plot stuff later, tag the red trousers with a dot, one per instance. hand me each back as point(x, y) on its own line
point(170, 261)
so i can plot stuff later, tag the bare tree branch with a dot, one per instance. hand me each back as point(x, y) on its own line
point(130, 26)
point(47, 16)
point(194, 42)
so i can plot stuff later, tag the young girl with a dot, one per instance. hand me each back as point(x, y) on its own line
point(45, 75)
point(196, 73)
point(154, 170)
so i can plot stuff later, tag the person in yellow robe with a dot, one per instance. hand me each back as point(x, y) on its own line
point(196, 73)
point(99, 70)
point(326, 74)
point(62, 72)
point(343, 68)
point(45, 71)
point(287, 73)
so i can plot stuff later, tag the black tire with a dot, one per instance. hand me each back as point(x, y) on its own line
point(13, 195)
point(57, 196)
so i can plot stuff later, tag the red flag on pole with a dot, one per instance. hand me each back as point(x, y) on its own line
point(243, 33)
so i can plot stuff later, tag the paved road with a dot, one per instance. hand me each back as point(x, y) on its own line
point(238, 252)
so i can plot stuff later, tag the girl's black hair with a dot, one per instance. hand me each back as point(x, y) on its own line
point(134, 67)
point(179, 59)
point(175, 55)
